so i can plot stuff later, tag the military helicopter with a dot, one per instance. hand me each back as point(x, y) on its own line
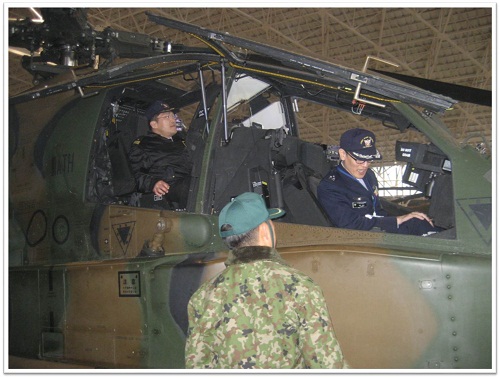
point(97, 280)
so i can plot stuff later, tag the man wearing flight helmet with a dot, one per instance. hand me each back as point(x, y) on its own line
point(160, 160)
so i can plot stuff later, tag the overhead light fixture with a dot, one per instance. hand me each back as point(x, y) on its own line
point(38, 19)
point(38, 15)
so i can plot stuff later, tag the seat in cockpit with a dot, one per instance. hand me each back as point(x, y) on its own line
point(305, 165)
point(119, 142)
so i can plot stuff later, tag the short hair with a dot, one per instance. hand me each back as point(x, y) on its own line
point(248, 238)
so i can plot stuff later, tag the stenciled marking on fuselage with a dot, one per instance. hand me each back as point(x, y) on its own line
point(37, 228)
point(129, 284)
point(123, 233)
point(60, 229)
point(62, 164)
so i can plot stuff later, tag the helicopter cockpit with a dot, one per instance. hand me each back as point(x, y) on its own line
point(260, 151)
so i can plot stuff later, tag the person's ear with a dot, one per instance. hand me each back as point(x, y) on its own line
point(266, 234)
point(342, 154)
point(263, 234)
point(153, 124)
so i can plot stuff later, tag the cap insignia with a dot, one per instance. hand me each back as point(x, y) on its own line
point(367, 142)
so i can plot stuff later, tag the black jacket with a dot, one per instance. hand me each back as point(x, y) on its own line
point(153, 157)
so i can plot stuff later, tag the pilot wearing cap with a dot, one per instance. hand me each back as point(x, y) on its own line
point(349, 192)
point(160, 160)
point(259, 313)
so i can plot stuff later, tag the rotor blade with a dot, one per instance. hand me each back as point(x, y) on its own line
point(457, 92)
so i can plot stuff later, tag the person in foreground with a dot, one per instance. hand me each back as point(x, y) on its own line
point(349, 192)
point(259, 313)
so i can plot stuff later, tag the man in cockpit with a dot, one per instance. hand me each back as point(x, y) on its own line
point(349, 192)
point(160, 160)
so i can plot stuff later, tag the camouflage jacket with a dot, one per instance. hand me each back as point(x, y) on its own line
point(260, 313)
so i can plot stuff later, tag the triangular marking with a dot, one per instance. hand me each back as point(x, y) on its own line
point(123, 233)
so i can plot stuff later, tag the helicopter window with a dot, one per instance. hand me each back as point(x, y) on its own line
point(244, 89)
point(269, 116)
point(251, 102)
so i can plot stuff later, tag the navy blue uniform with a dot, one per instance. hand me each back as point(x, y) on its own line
point(347, 202)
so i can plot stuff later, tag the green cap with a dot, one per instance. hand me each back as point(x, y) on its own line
point(244, 213)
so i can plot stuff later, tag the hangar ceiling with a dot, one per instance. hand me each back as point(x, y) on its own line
point(453, 45)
